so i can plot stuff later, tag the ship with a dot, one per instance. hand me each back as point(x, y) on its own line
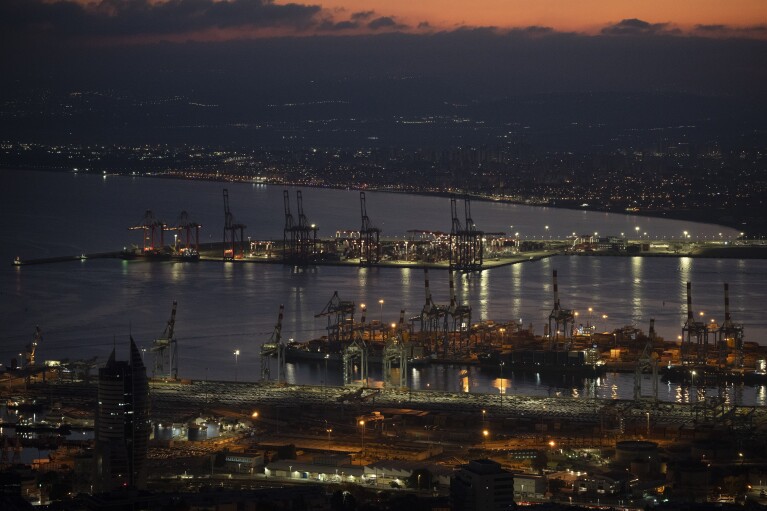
point(147, 255)
point(574, 362)
point(321, 350)
point(711, 375)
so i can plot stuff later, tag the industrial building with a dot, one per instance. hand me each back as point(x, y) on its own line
point(482, 485)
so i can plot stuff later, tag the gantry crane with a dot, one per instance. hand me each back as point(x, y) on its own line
point(153, 233)
point(562, 319)
point(460, 314)
point(355, 353)
point(694, 349)
point(433, 320)
point(308, 241)
point(370, 249)
point(299, 239)
point(274, 348)
point(233, 233)
point(187, 232)
point(340, 314)
point(31, 348)
point(647, 362)
point(466, 241)
point(730, 335)
point(395, 355)
point(165, 350)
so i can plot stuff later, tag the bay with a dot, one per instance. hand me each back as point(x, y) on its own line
point(86, 308)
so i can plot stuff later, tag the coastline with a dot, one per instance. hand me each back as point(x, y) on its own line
point(707, 216)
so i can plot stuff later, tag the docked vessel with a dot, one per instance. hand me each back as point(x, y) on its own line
point(321, 350)
point(580, 362)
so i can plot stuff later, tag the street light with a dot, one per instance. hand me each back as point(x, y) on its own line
point(236, 356)
point(325, 381)
point(502, 386)
point(380, 317)
point(362, 428)
point(484, 437)
point(692, 384)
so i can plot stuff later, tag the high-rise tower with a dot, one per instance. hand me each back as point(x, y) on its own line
point(122, 423)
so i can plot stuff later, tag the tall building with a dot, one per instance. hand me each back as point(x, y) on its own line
point(122, 424)
point(482, 485)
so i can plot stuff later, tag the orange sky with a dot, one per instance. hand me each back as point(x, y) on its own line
point(566, 15)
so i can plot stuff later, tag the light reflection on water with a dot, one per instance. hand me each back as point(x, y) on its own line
point(83, 306)
point(475, 379)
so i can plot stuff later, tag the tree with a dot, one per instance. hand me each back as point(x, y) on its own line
point(342, 500)
point(540, 461)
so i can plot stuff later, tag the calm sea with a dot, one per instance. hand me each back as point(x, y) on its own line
point(86, 308)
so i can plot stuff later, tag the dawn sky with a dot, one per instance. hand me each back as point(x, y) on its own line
point(176, 20)
point(568, 15)
point(232, 51)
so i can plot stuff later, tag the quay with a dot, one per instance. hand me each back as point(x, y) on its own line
point(172, 400)
point(214, 252)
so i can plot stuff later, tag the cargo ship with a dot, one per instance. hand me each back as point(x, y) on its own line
point(576, 362)
point(320, 350)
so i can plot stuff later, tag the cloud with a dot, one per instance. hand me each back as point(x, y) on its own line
point(362, 15)
point(711, 28)
point(634, 26)
point(727, 30)
point(142, 17)
point(337, 26)
point(537, 30)
point(384, 22)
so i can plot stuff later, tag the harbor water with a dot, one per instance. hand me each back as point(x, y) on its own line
point(86, 308)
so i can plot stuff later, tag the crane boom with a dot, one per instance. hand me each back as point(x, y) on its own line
point(168, 333)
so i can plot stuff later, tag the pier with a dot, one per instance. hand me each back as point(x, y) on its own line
point(212, 252)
